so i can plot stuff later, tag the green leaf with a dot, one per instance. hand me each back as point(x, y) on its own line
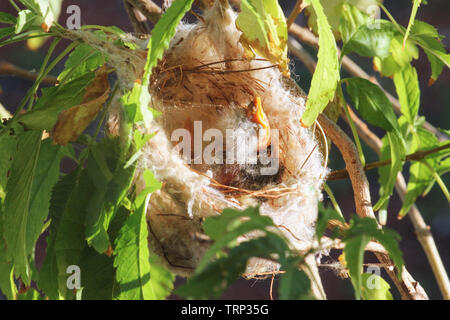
point(18, 222)
point(83, 59)
point(162, 33)
point(373, 105)
point(326, 76)
point(65, 243)
point(5, 32)
point(264, 30)
point(139, 277)
point(112, 181)
point(226, 228)
point(98, 276)
point(427, 36)
point(375, 287)
point(351, 20)
point(48, 10)
point(55, 8)
point(361, 231)
point(31, 294)
point(335, 10)
point(25, 19)
point(393, 148)
point(7, 285)
point(354, 255)
point(325, 215)
point(408, 90)
point(136, 103)
point(294, 284)
point(399, 58)
point(7, 18)
point(54, 100)
point(369, 41)
point(213, 280)
point(8, 147)
point(420, 177)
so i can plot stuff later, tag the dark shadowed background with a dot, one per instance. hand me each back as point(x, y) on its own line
point(435, 102)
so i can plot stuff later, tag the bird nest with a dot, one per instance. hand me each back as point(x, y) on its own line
point(205, 87)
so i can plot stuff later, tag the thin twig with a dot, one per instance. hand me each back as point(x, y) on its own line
point(9, 69)
point(419, 155)
point(148, 8)
point(136, 17)
point(271, 286)
point(299, 6)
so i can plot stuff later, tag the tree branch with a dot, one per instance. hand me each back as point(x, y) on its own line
point(408, 288)
point(421, 229)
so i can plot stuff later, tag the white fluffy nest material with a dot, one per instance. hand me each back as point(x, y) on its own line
point(204, 76)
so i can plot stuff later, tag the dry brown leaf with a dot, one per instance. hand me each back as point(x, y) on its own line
point(72, 122)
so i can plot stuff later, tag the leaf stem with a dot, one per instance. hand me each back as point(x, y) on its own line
point(43, 74)
point(416, 156)
point(438, 180)
point(332, 198)
point(40, 75)
point(14, 5)
point(356, 137)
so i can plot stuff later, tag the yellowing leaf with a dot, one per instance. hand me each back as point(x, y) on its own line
point(72, 122)
point(375, 287)
point(264, 31)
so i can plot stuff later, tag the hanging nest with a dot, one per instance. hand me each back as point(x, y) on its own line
point(206, 77)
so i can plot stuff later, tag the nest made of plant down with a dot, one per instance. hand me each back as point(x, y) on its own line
point(205, 76)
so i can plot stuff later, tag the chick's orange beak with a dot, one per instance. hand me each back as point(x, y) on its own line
point(257, 115)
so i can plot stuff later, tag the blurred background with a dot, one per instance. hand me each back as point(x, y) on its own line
point(435, 102)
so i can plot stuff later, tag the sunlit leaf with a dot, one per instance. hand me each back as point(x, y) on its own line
point(370, 41)
point(399, 58)
point(138, 275)
point(82, 60)
point(394, 149)
point(427, 36)
point(264, 31)
point(373, 105)
point(420, 176)
point(54, 100)
point(361, 231)
point(334, 10)
point(408, 90)
point(326, 76)
point(375, 287)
